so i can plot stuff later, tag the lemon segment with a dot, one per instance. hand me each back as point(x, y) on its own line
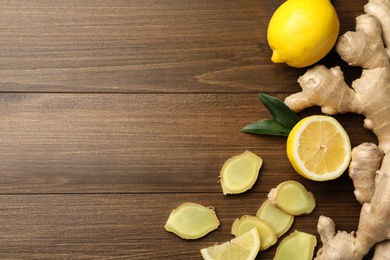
point(301, 32)
point(243, 247)
point(239, 173)
point(319, 148)
point(192, 221)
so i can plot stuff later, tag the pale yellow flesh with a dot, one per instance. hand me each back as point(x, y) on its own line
point(239, 173)
point(279, 220)
point(319, 148)
point(247, 222)
point(326, 148)
point(297, 246)
point(244, 247)
point(192, 221)
point(293, 198)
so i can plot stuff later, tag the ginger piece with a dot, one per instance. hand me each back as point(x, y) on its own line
point(279, 220)
point(192, 221)
point(297, 246)
point(293, 198)
point(239, 173)
point(382, 251)
point(366, 160)
point(246, 223)
point(367, 47)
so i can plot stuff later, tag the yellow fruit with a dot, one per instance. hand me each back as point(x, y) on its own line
point(319, 148)
point(244, 247)
point(302, 32)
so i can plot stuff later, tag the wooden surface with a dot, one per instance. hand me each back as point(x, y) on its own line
point(112, 113)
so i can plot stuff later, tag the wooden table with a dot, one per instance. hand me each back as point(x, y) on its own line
point(115, 112)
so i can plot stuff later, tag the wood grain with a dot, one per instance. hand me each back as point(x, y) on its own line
point(143, 46)
point(115, 112)
point(116, 226)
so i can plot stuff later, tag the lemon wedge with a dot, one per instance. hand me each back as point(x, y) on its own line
point(319, 148)
point(243, 247)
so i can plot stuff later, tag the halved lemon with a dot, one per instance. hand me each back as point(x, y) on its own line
point(244, 247)
point(318, 148)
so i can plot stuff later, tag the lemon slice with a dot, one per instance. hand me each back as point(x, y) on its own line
point(244, 247)
point(240, 172)
point(318, 148)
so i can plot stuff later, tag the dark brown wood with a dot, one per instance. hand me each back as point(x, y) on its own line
point(115, 112)
point(111, 226)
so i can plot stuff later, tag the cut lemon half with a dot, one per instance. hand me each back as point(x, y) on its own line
point(318, 148)
point(243, 247)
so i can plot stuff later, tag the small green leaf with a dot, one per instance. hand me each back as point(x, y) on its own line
point(267, 127)
point(281, 112)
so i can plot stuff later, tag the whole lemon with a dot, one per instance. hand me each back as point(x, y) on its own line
point(302, 32)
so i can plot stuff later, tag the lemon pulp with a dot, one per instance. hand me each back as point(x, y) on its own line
point(319, 148)
point(243, 247)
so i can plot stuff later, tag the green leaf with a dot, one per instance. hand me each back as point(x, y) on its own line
point(267, 127)
point(281, 112)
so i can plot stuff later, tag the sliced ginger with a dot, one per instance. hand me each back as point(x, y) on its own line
point(279, 220)
point(240, 173)
point(293, 198)
point(192, 221)
point(247, 222)
point(297, 246)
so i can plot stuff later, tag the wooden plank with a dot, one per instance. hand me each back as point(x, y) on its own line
point(145, 46)
point(131, 226)
point(137, 143)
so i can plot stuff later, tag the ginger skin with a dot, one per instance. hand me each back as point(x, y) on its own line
point(369, 96)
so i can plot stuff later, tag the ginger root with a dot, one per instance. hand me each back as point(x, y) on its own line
point(368, 47)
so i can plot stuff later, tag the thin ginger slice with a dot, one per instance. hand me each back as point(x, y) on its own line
point(279, 220)
point(192, 221)
point(296, 246)
point(239, 173)
point(293, 198)
point(245, 223)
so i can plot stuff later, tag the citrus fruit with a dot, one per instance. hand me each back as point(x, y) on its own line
point(240, 172)
point(192, 221)
point(318, 148)
point(302, 32)
point(244, 247)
